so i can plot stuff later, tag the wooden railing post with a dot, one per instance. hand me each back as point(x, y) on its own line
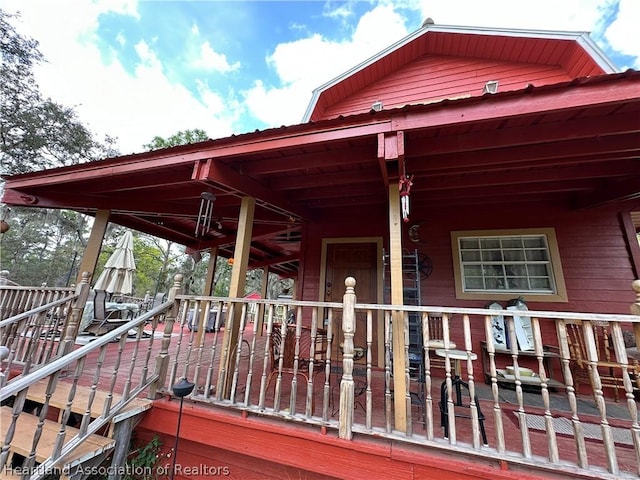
point(635, 309)
point(162, 360)
point(346, 384)
point(74, 317)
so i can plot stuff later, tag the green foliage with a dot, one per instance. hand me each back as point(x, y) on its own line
point(41, 245)
point(142, 464)
point(35, 132)
point(181, 138)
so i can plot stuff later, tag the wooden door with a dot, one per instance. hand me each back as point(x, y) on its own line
point(360, 261)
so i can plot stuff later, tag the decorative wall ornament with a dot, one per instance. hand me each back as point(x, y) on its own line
point(405, 184)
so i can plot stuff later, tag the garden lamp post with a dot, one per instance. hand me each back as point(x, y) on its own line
point(181, 389)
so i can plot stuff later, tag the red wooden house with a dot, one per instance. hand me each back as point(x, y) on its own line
point(507, 160)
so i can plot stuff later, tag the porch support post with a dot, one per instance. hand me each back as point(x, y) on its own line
point(74, 317)
point(263, 292)
point(208, 292)
point(347, 390)
point(397, 298)
point(635, 309)
point(211, 272)
point(162, 360)
point(92, 250)
point(236, 290)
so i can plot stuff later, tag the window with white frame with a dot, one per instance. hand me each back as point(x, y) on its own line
point(505, 264)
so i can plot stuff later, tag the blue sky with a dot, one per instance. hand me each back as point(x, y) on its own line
point(134, 69)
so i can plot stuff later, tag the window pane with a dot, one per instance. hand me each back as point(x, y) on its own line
point(472, 270)
point(533, 242)
point(514, 263)
point(540, 283)
point(514, 255)
point(469, 243)
point(512, 242)
point(537, 255)
point(470, 256)
point(474, 283)
point(491, 255)
point(490, 242)
point(539, 270)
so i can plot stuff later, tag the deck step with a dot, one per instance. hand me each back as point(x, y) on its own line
point(92, 447)
point(22, 441)
point(60, 397)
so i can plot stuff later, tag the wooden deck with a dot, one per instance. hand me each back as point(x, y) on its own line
point(535, 431)
point(288, 402)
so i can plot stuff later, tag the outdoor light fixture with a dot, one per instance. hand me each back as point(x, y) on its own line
point(490, 87)
point(181, 389)
point(204, 215)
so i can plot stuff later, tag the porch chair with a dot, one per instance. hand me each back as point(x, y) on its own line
point(459, 407)
point(103, 321)
point(609, 369)
point(436, 341)
point(286, 350)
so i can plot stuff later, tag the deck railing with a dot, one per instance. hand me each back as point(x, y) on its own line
point(34, 320)
point(353, 392)
point(99, 385)
point(321, 375)
point(18, 299)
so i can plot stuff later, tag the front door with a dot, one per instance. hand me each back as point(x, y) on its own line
point(360, 261)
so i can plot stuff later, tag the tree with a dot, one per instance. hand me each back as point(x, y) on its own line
point(181, 138)
point(36, 133)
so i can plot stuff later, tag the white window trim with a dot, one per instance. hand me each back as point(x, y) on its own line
point(556, 267)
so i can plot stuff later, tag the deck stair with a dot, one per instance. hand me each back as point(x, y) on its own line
point(92, 451)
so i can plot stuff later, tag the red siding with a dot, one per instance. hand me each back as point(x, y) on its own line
point(433, 78)
point(595, 260)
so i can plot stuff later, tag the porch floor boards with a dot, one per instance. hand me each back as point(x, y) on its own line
point(617, 412)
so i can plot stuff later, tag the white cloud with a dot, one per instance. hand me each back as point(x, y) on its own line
point(570, 15)
point(212, 60)
point(136, 106)
point(308, 63)
point(623, 35)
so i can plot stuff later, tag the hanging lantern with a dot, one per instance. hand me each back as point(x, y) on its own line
point(205, 213)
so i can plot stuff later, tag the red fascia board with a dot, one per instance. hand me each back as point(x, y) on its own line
point(535, 103)
point(261, 144)
point(489, 107)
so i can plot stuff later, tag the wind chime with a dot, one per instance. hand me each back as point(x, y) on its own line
point(204, 215)
point(405, 184)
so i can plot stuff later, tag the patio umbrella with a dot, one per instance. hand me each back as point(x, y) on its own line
point(117, 276)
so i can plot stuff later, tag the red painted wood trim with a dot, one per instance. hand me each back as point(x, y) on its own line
point(309, 449)
point(630, 238)
point(538, 102)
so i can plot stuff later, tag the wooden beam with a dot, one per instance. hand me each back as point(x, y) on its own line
point(287, 163)
point(236, 290)
point(571, 129)
point(397, 298)
point(631, 240)
point(269, 197)
point(92, 250)
point(497, 159)
point(628, 189)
